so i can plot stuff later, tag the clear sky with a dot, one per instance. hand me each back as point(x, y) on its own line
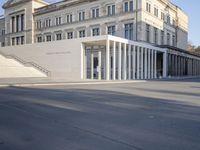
point(191, 7)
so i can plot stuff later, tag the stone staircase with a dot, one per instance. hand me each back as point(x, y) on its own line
point(12, 66)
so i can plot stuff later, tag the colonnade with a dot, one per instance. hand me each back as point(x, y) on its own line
point(183, 65)
point(117, 60)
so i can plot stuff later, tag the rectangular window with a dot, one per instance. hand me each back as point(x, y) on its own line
point(131, 5)
point(39, 39)
point(3, 32)
point(22, 40)
point(162, 16)
point(156, 12)
point(81, 16)
point(168, 38)
point(13, 41)
point(111, 10)
point(48, 38)
point(17, 23)
point(148, 7)
point(174, 40)
point(70, 35)
point(155, 35)
point(128, 6)
point(174, 22)
point(129, 31)
point(22, 22)
point(82, 33)
point(69, 18)
point(17, 41)
point(95, 32)
point(95, 13)
point(47, 22)
point(13, 24)
point(111, 30)
point(162, 37)
point(58, 20)
point(58, 36)
point(147, 32)
point(168, 19)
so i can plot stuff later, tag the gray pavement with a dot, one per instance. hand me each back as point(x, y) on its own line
point(154, 115)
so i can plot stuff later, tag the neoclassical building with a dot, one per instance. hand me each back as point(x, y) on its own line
point(117, 39)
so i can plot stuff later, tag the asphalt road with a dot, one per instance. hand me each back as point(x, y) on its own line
point(156, 115)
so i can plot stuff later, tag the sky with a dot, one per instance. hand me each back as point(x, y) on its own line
point(191, 8)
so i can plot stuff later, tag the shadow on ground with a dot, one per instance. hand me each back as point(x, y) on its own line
point(80, 119)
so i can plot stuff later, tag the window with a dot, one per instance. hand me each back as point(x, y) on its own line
point(39, 24)
point(111, 30)
point(128, 6)
point(162, 16)
point(3, 32)
point(48, 38)
point(70, 35)
point(168, 38)
point(13, 24)
point(95, 13)
point(174, 22)
point(82, 33)
point(162, 37)
point(174, 40)
point(58, 36)
point(156, 12)
point(111, 10)
point(69, 18)
point(168, 19)
point(81, 16)
point(95, 31)
point(13, 41)
point(17, 40)
point(22, 22)
point(17, 23)
point(58, 20)
point(147, 32)
point(155, 35)
point(148, 7)
point(22, 40)
point(47, 22)
point(129, 31)
point(39, 39)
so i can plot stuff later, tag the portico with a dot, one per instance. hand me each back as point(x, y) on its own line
point(114, 58)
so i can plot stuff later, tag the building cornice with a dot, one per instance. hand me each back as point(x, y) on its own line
point(59, 6)
point(11, 3)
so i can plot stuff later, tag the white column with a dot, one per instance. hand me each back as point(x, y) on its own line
point(152, 64)
point(138, 62)
point(145, 63)
point(149, 64)
point(83, 62)
point(164, 64)
point(155, 64)
point(92, 63)
point(129, 62)
point(133, 62)
point(107, 60)
point(142, 64)
point(99, 63)
point(114, 60)
point(120, 61)
point(125, 63)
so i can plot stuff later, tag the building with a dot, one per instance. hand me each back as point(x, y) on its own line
point(117, 39)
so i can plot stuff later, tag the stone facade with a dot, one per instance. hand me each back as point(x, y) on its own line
point(157, 22)
point(2, 31)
